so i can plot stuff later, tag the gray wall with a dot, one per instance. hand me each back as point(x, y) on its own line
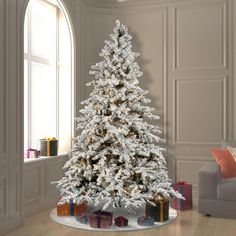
point(187, 57)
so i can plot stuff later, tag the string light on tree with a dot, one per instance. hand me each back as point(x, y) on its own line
point(117, 158)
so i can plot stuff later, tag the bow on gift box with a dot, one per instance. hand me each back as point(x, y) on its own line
point(181, 183)
point(49, 139)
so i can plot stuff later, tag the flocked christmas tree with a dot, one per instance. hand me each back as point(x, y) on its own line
point(117, 158)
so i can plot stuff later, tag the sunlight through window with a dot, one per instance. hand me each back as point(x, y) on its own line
point(47, 75)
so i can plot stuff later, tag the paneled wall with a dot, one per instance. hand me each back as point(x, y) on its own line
point(10, 117)
point(13, 176)
point(38, 191)
point(187, 60)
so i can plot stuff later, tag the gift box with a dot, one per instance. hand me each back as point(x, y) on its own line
point(48, 146)
point(83, 219)
point(160, 212)
point(100, 219)
point(186, 190)
point(121, 221)
point(31, 153)
point(71, 209)
point(145, 221)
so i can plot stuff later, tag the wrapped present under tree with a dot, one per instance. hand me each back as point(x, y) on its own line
point(100, 219)
point(121, 221)
point(186, 190)
point(160, 211)
point(71, 209)
point(83, 219)
point(145, 221)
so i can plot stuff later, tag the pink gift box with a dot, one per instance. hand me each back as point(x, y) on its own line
point(31, 153)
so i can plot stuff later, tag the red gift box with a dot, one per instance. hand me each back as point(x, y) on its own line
point(100, 219)
point(121, 221)
point(186, 190)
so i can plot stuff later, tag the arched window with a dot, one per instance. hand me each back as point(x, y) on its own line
point(48, 84)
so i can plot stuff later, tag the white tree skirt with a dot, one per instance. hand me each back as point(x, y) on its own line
point(71, 221)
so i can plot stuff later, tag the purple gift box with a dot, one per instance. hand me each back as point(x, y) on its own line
point(100, 219)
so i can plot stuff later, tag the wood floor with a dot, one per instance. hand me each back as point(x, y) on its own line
point(188, 223)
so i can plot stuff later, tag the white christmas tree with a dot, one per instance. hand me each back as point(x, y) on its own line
point(117, 158)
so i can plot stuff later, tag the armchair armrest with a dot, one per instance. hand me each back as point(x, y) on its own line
point(208, 177)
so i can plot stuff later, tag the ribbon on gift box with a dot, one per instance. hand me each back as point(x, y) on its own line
point(160, 199)
point(72, 208)
point(49, 139)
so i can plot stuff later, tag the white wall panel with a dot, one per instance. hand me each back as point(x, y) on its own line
point(2, 83)
point(32, 183)
point(39, 193)
point(200, 35)
point(3, 198)
point(53, 172)
point(197, 111)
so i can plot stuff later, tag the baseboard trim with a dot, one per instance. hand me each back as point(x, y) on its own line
point(10, 225)
point(39, 205)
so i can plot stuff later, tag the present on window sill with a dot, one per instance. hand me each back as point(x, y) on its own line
point(48, 146)
point(31, 153)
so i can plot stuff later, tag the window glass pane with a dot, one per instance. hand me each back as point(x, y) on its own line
point(65, 103)
point(43, 102)
point(26, 112)
point(43, 29)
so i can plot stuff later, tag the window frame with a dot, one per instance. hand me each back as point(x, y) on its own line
point(29, 58)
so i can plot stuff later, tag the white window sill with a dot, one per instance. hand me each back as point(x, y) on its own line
point(46, 158)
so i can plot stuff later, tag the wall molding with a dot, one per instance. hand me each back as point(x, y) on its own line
point(176, 81)
point(121, 4)
point(197, 5)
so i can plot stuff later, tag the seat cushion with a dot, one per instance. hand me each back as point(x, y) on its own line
point(226, 189)
point(226, 162)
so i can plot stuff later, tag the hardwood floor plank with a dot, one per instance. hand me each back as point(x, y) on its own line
point(188, 223)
